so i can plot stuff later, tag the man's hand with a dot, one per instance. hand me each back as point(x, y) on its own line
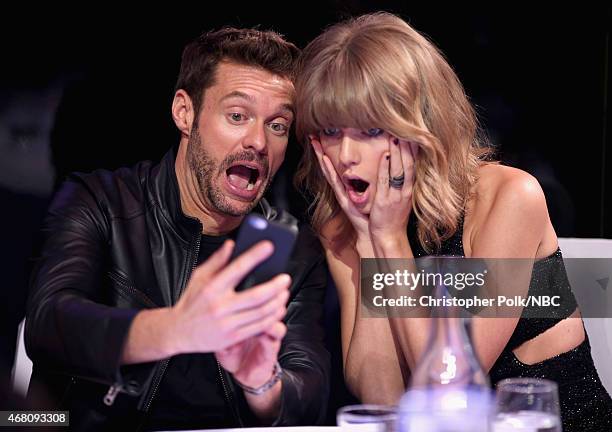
point(251, 362)
point(211, 316)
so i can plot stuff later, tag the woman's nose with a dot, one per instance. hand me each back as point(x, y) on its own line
point(349, 152)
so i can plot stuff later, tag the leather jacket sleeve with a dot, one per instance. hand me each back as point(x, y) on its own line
point(303, 357)
point(71, 328)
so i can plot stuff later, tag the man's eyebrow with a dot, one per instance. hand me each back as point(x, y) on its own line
point(239, 94)
point(284, 107)
point(288, 107)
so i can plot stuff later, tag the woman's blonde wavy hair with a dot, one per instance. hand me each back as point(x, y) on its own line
point(377, 71)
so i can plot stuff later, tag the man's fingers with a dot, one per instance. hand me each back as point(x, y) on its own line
point(276, 331)
point(231, 350)
point(255, 328)
point(260, 294)
point(275, 307)
point(233, 273)
point(269, 346)
point(232, 357)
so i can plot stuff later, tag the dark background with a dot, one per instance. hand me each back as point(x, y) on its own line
point(90, 88)
point(537, 76)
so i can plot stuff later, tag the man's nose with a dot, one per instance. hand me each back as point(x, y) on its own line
point(349, 152)
point(256, 138)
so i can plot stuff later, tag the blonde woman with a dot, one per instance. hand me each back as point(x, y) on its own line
point(394, 161)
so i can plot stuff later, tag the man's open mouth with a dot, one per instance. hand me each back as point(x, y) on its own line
point(243, 176)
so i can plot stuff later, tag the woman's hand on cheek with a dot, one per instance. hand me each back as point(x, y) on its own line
point(393, 203)
point(358, 220)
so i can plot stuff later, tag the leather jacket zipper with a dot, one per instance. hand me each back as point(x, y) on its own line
point(228, 398)
point(117, 387)
point(142, 297)
point(222, 381)
point(114, 389)
point(157, 380)
point(112, 393)
point(165, 362)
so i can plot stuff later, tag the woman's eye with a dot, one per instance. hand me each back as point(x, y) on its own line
point(331, 132)
point(374, 132)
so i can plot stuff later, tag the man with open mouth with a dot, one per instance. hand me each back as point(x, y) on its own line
point(133, 320)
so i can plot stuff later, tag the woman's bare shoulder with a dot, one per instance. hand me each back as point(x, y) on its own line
point(507, 202)
point(507, 186)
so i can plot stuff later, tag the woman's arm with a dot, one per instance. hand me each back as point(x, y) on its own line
point(508, 219)
point(514, 225)
point(372, 369)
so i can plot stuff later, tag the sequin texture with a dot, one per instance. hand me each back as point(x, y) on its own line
point(584, 402)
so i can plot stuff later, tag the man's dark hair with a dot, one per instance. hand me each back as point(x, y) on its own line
point(264, 49)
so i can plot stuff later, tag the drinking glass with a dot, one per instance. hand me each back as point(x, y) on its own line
point(367, 418)
point(527, 404)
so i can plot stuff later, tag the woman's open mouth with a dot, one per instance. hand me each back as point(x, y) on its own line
point(244, 179)
point(357, 189)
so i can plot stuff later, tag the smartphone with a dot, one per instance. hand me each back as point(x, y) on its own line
point(254, 229)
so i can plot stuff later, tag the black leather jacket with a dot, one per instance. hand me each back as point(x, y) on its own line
point(117, 242)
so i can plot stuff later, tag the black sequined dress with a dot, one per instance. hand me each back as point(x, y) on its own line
point(585, 403)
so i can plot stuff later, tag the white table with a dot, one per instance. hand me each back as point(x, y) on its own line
point(274, 429)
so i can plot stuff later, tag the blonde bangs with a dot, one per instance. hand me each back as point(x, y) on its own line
point(338, 94)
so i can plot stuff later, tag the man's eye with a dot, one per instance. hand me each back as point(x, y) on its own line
point(237, 117)
point(331, 132)
point(374, 132)
point(279, 128)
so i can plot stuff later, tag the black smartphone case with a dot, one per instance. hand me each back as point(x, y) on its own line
point(254, 229)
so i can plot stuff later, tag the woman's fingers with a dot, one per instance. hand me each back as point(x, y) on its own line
point(332, 177)
point(382, 188)
point(396, 169)
point(395, 174)
point(409, 165)
point(316, 146)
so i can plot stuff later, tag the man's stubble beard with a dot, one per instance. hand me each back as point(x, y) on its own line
point(206, 169)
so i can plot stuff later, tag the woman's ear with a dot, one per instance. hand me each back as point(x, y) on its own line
point(182, 111)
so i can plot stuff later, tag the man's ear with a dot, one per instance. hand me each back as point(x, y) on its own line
point(183, 113)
